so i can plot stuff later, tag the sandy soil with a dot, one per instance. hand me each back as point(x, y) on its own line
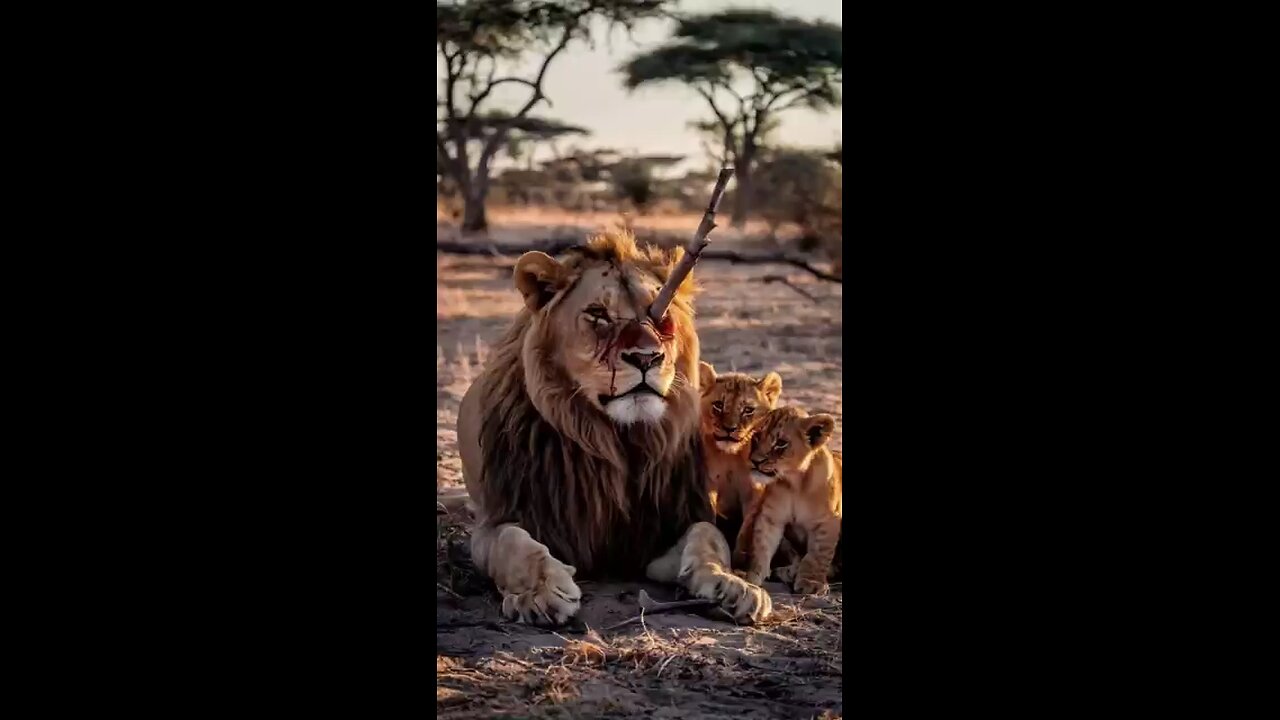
point(677, 664)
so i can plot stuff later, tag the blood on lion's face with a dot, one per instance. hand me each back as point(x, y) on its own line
point(621, 360)
point(614, 355)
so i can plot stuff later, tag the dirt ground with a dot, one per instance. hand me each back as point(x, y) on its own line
point(681, 664)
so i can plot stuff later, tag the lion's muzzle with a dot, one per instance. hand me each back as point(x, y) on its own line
point(642, 361)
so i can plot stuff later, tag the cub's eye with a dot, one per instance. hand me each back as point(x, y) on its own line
point(780, 445)
point(717, 406)
point(746, 411)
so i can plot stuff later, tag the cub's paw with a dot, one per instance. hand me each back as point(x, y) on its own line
point(811, 586)
point(546, 595)
point(747, 602)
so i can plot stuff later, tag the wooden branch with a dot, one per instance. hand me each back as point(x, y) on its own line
point(555, 246)
point(648, 606)
point(692, 250)
point(780, 279)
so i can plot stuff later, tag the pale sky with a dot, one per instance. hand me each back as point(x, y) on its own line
point(586, 91)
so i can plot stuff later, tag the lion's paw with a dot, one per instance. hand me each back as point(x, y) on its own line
point(552, 598)
point(745, 601)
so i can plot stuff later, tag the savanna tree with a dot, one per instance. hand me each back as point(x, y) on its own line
point(749, 66)
point(477, 42)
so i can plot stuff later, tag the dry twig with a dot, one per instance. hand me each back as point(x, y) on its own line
point(780, 279)
point(692, 251)
point(652, 607)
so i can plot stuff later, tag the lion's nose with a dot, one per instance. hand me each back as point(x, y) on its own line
point(730, 429)
point(642, 361)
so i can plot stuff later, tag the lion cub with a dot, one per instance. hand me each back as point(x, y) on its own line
point(802, 482)
point(732, 405)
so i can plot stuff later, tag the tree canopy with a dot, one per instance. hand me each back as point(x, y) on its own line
point(479, 41)
point(791, 60)
point(749, 65)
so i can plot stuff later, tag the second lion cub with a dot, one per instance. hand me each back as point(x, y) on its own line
point(803, 494)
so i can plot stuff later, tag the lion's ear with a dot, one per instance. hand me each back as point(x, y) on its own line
point(818, 429)
point(538, 277)
point(706, 376)
point(771, 386)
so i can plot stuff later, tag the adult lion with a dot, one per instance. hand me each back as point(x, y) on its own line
point(580, 444)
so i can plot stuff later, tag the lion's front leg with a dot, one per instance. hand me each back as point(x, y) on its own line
point(700, 563)
point(535, 587)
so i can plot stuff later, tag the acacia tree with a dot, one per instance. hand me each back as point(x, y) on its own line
point(749, 65)
point(477, 39)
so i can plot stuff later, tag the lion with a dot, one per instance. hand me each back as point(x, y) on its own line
point(733, 404)
point(580, 444)
point(803, 495)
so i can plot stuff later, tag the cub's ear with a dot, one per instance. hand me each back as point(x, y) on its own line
point(538, 277)
point(818, 429)
point(771, 386)
point(706, 377)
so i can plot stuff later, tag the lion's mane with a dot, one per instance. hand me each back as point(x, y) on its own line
point(602, 498)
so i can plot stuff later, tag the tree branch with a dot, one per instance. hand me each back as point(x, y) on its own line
point(780, 279)
point(803, 92)
point(451, 79)
point(699, 243)
point(710, 96)
point(476, 100)
point(500, 131)
point(488, 88)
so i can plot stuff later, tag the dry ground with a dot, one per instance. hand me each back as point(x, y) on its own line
point(678, 664)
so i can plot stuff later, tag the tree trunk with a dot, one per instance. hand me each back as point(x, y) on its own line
point(742, 196)
point(473, 218)
point(742, 164)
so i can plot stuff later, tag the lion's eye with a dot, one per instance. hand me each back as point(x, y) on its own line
point(717, 406)
point(596, 314)
point(746, 411)
point(781, 444)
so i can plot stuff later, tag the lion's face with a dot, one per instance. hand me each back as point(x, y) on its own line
point(734, 404)
point(786, 442)
point(591, 323)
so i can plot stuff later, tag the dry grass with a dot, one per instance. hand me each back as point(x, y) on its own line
point(671, 665)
